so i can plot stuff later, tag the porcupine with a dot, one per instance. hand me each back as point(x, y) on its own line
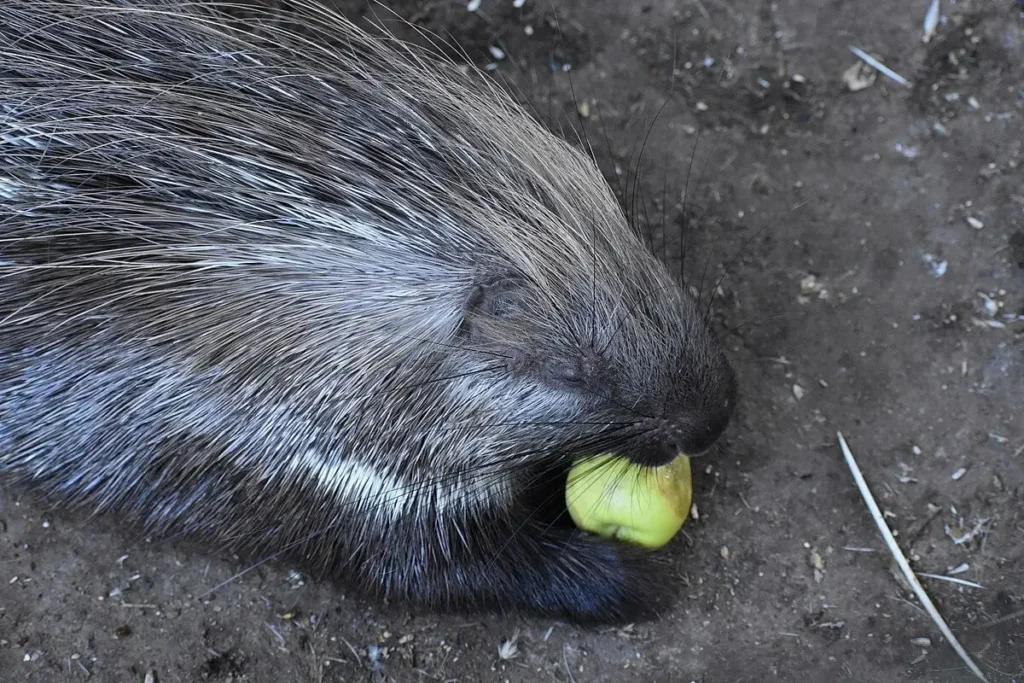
point(323, 292)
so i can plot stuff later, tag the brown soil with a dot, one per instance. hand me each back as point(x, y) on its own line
point(854, 274)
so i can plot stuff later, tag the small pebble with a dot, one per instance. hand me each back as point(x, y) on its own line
point(959, 473)
point(817, 561)
point(921, 642)
point(975, 223)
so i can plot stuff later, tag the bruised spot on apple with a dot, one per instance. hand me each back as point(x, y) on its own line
point(614, 498)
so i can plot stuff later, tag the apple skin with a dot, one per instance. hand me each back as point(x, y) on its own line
point(610, 496)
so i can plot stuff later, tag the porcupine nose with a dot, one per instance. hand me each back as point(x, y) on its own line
point(705, 425)
point(690, 437)
point(697, 429)
point(701, 435)
point(690, 434)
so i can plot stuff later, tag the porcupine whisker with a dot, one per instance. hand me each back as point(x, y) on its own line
point(664, 208)
point(646, 218)
point(455, 347)
point(619, 404)
point(635, 173)
point(684, 232)
point(607, 139)
point(634, 194)
point(628, 206)
point(628, 198)
point(725, 270)
point(564, 119)
point(536, 423)
point(686, 197)
point(613, 172)
point(664, 181)
point(591, 477)
point(605, 445)
point(591, 446)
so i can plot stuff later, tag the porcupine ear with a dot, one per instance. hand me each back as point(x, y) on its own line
point(494, 307)
point(502, 298)
point(498, 300)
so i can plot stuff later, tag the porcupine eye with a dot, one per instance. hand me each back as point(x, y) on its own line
point(565, 375)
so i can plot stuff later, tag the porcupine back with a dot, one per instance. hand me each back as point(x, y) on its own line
point(320, 291)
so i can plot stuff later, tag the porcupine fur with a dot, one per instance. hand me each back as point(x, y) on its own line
point(325, 293)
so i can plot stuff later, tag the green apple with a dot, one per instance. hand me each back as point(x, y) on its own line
point(614, 498)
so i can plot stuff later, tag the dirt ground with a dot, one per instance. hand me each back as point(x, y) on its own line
point(875, 245)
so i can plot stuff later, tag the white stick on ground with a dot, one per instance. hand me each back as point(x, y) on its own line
point(871, 61)
point(901, 560)
point(952, 579)
point(931, 21)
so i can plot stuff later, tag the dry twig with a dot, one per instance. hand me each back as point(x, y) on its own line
point(901, 560)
